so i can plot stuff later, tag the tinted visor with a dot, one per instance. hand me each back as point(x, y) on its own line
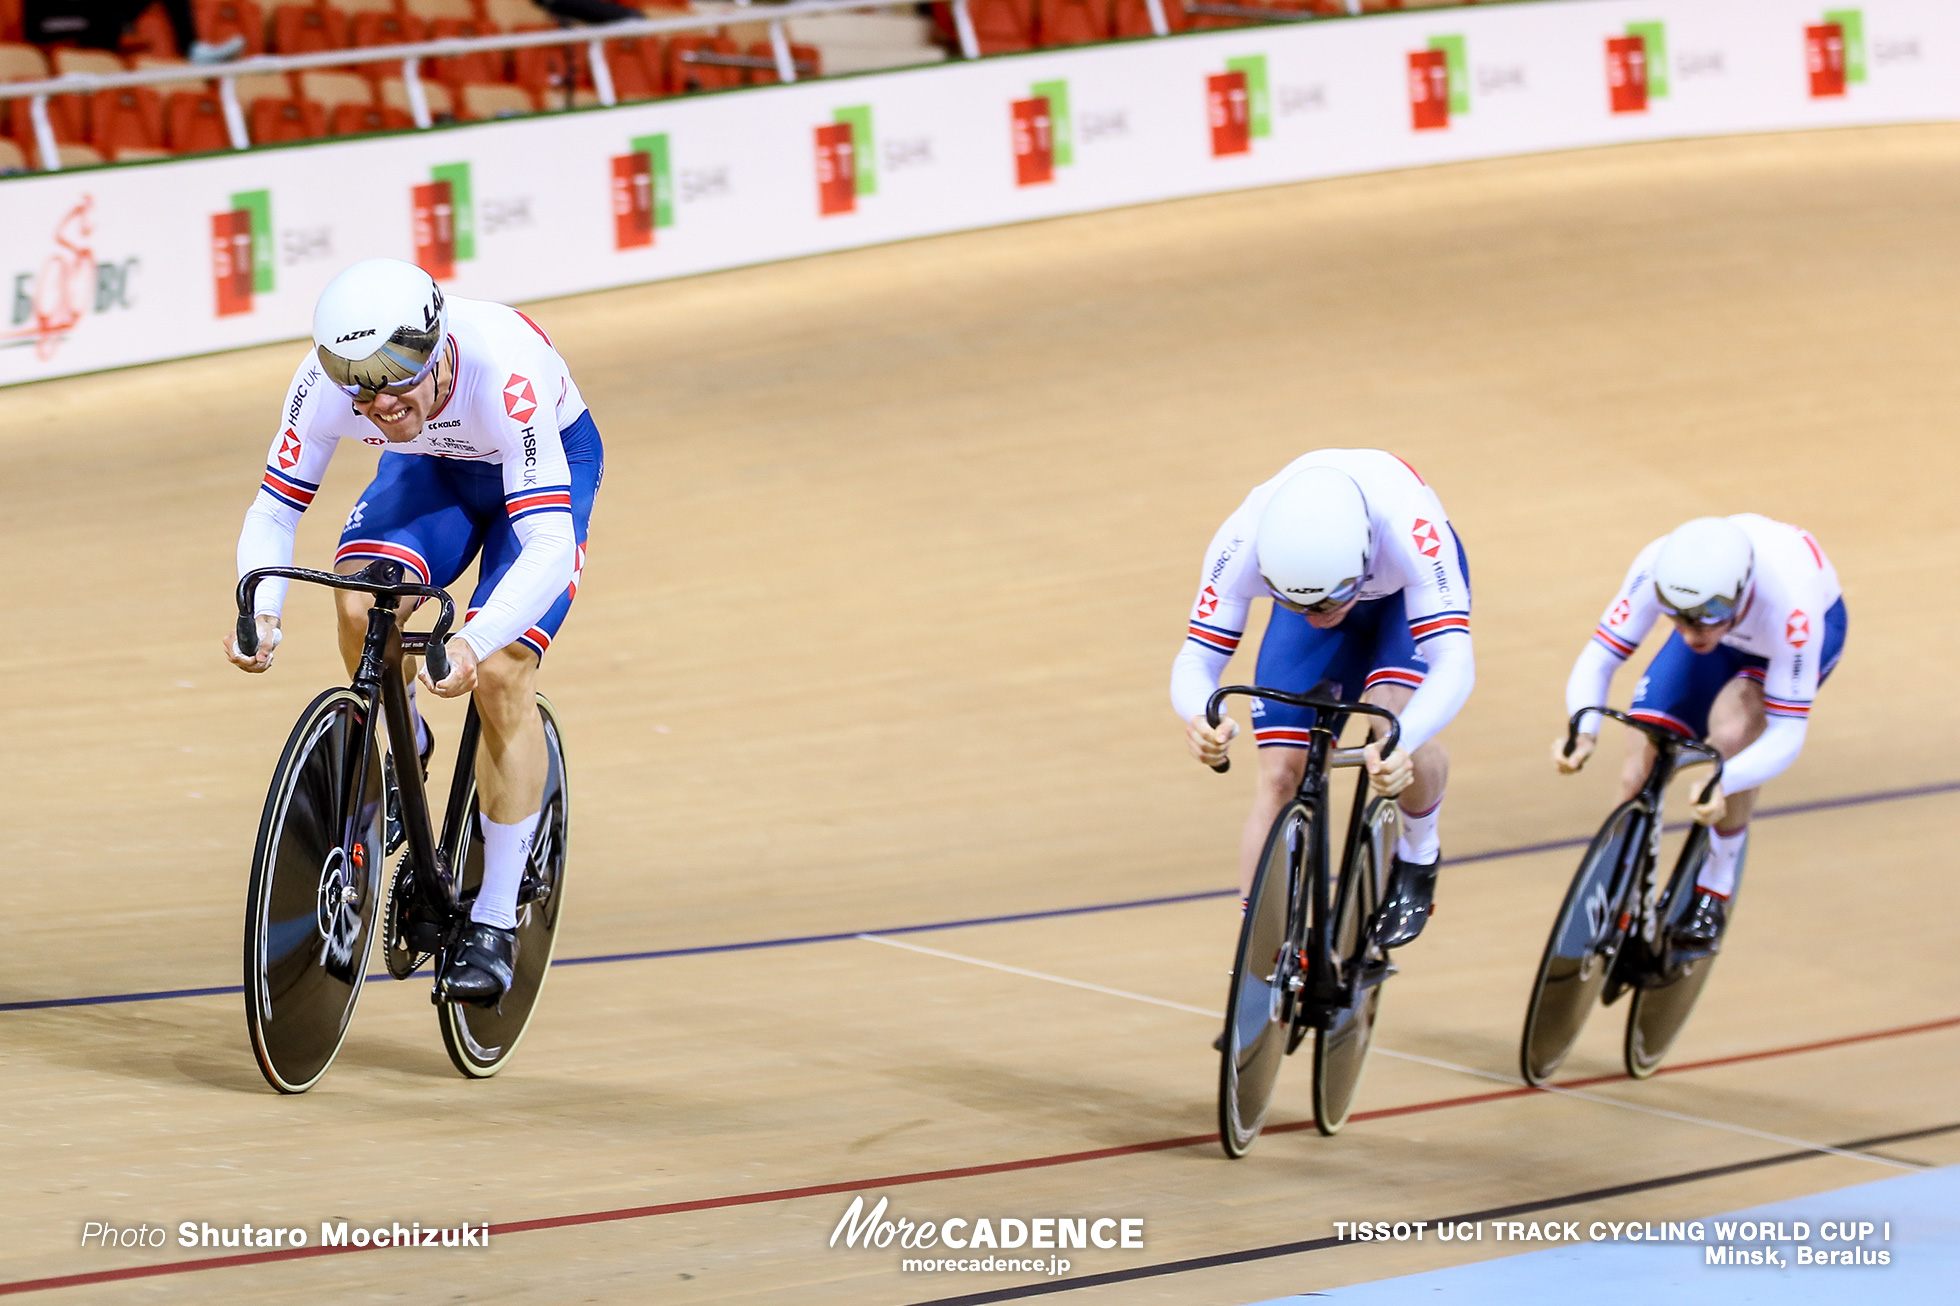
point(1712, 611)
point(400, 365)
point(1334, 598)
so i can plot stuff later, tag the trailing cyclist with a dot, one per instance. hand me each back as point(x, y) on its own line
point(488, 450)
point(1759, 625)
point(1371, 591)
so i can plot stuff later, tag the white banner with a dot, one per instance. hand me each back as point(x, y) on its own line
point(130, 265)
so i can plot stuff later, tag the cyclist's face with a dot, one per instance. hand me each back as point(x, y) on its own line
point(400, 417)
point(1702, 639)
point(1319, 620)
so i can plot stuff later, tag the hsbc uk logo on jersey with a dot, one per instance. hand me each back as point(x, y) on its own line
point(1796, 628)
point(1428, 540)
point(289, 450)
point(520, 399)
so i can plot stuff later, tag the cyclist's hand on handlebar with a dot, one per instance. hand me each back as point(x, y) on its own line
point(1208, 744)
point(1710, 812)
point(462, 670)
point(1391, 775)
point(1568, 764)
point(269, 637)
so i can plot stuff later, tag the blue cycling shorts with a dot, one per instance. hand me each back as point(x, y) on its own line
point(1680, 684)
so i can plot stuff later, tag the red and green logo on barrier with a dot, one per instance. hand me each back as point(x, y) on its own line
point(1834, 51)
point(846, 160)
point(1043, 133)
point(642, 192)
point(1238, 105)
point(443, 220)
point(1439, 83)
point(241, 252)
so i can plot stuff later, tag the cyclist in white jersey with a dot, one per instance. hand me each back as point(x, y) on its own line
point(1759, 624)
point(488, 449)
point(1371, 591)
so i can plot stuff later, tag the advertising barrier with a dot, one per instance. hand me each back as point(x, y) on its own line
point(127, 265)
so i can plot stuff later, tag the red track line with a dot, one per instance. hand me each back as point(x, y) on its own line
point(934, 1176)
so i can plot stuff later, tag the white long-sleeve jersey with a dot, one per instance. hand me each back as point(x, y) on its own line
point(1793, 586)
point(1415, 554)
point(511, 398)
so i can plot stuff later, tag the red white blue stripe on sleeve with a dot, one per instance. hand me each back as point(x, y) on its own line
point(546, 498)
point(1438, 623)
point(289, 490)
point(1618, 647)
point(1213, 639)
point(1785, 707)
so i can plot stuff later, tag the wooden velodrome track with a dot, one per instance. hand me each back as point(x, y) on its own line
point(892, 558)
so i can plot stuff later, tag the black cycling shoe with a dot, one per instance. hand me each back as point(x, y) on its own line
point(397, 834)
point(1410, 899)
point(1218, 1044)
point(1700, 931)
point(479, 973)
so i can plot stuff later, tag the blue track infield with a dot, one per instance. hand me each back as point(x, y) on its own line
point(1924, 1250)
point(1494, 854)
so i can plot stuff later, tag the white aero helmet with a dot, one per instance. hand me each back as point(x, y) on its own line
point(1314, 540)
point(1702, 573)
point(379, 325)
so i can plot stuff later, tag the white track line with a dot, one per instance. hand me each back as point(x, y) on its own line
point(1410, 1056)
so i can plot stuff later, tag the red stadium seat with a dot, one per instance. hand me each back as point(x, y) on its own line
point(466, 69)
point(358, 119)
point(807, 58)
point(371, 29)
point(683, 74)
point(129, 117)
point(543, 69)
point(1072, 22)
point(286, 120)
point(637, 71)
point(301, 29)
point(151, 34)
point(194, 123)
point(1002, 26)
point(11, 26)
point(220, 20)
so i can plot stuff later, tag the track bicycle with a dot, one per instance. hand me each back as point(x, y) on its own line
point(317, 870)
point(1613, 932)
point(1307, 957)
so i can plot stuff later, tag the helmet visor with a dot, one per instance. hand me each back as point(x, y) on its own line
point(1335, 598)
point(400, 365)
point(1712, 611)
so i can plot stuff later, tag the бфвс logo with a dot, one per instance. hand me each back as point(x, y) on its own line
point(1043, 133)
point(1834, 51)
point(1439, 83)
point(1238, 104)
point(846, 169)
point(1636, 67)
point(49, 302)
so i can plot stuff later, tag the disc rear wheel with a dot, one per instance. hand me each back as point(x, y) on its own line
point(1340, 1048)
point(480, 1040)
point(1259, 1005)
point(311, 907)
point(1579, 954)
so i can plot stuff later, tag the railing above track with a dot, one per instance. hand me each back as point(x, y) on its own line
point(594, 38)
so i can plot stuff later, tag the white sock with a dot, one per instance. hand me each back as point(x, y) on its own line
point(1419, 842)
point(1724, 852)
point(505, 850)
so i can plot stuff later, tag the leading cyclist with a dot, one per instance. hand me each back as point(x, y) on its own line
point(487, 449)
point(1370, 590)
point(1759, 624)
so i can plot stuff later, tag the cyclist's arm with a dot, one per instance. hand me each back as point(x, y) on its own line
point(294, 468)
point(1216, 621)
point(1437, 602)
point(1445, 688)
point(1789, 688)
point(1625, 623)
point(538, 499)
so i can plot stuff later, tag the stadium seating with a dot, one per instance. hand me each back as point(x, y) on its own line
point(466, 69)
point(332, 88)
point(1132, 17)
point(151, 33)
point(302, 29)
point(510, 15)
point(275, 121)
point(1002, 26)
point(392, 92)
point(636, 67)
point(356, 119)
point(127, 118)
point(68, 60)
point(12, 157)
point(685, 74)
point(354, 8)
point(220, 20)
point(194, 123)
point(372, 28)
point(431, 11)
point(807, 58)
point(501, 100)
point(22, 63)
point(10, 26)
